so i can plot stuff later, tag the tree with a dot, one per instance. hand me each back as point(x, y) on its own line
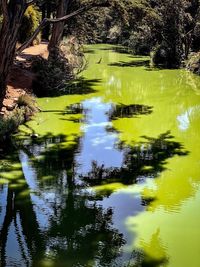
point(57, 31)
point(174, 38)
point(13, 13)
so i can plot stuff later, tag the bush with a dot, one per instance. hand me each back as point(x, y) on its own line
point(30, 23)
point(140, 42)
point(52, 74)
point(28, 103)
point(165, 56)
point(193, 63)
point(62, 66)
point(9, 125)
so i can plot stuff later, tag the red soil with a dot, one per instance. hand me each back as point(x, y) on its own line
point(20, 79)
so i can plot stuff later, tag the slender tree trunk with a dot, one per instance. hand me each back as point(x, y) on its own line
point(46, 13)
point(58, 28)
point(8, 39)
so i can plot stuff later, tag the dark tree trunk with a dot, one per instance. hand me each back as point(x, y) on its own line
point(58, 28)
point(46, 13)
point(8, 39)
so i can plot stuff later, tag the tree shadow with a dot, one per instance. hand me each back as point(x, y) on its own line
point(81, 86)
point(20, 78)
point(80, 230)
point(88, 51)
point(133, 63)
point(118, 49)
point(142, 160)
point(128, 111)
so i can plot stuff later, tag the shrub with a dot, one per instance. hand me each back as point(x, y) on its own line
point(27, 102)
point(193, 63)
point(140, 42)
point(9, 125)
point(62, 66)
point(30, 23)
point(165, 56)
point(52, 74)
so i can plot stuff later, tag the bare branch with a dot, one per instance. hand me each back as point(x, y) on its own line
point(32, 2)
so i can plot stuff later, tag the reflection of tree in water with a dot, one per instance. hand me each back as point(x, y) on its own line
point(145, 159)
point(19, 211)
point(80, 231)
point(86, 235)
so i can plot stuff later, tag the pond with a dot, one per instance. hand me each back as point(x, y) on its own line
point(113, 178)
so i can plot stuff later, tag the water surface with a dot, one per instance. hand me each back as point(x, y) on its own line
point(113, 178)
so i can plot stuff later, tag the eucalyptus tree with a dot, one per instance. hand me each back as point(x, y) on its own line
point(13, 12)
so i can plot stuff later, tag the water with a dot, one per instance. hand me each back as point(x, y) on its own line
point(113, 178)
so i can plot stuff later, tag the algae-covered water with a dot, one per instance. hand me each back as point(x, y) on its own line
point(113, 178)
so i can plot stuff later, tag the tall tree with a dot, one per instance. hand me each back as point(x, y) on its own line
point(13, 13)
point(58, 28)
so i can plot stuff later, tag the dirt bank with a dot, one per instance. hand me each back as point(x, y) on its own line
point(21, 77)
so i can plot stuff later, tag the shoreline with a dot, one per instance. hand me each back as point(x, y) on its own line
point(21, 78)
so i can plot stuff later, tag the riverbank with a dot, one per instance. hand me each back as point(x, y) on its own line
point(21, 77)
point(19, 104)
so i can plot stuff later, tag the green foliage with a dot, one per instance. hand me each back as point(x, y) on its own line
point(10, 124)
point(175, 32)
point(52, 74)
point(30, 23)
point(193, 63)
point(28, 102)
point(62, 65)
point(170, 29)
point(140, 41)
point(26, 107)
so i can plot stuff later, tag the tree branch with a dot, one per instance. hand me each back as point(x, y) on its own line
point(46, 21)
point(32, 2)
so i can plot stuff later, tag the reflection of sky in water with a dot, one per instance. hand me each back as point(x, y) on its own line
point(98, 144)
point(3, 201)
point(184, 120)
point(44, 202)
point(174, 186)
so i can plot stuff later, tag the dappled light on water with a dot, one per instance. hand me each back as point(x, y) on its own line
point(107, 174)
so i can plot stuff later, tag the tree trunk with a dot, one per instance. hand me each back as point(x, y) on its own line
point(8, 39)
point(58, 28)
point(46, 13)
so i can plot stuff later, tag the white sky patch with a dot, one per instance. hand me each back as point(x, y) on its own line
point(103, 140)
point(101, 124)
point(184, 120)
